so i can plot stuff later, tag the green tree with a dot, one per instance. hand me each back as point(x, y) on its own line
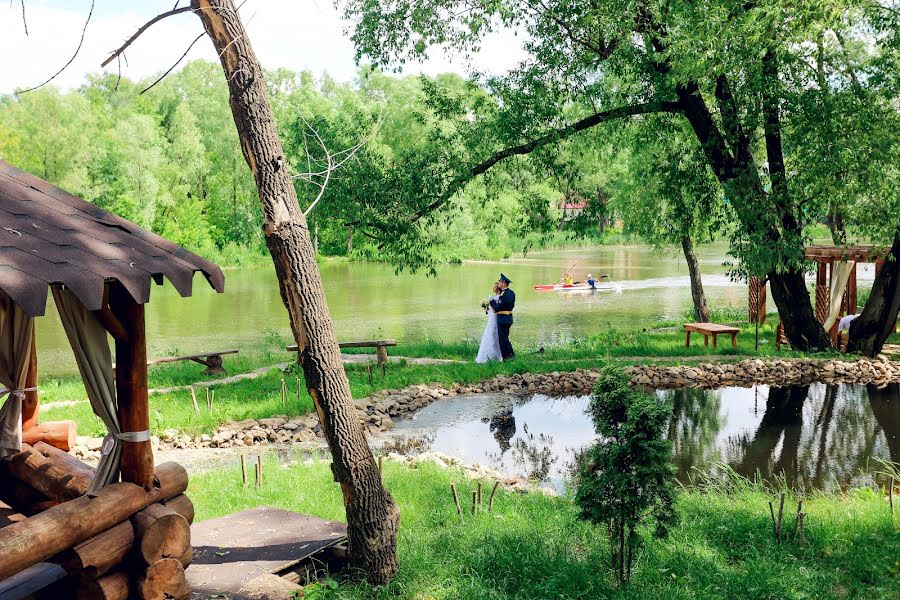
point(736, 73)
point(624, 480)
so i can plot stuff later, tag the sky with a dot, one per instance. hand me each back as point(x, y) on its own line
point(295, 34)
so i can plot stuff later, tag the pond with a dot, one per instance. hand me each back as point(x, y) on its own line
point(816, 437)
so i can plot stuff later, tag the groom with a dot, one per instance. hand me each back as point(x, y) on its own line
point(503, 306)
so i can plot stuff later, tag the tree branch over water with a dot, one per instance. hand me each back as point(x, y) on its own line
point(554, 136)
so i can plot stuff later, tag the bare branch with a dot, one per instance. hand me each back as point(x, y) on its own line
point(554, 136)
point(77, 50)
point(170, 69)
point(24, 22)
point(330, 166)
point(143, 28)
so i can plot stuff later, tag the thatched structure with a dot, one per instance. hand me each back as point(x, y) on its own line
point(121, 529)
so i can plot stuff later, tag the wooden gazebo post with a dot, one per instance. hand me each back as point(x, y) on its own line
point(131, 385)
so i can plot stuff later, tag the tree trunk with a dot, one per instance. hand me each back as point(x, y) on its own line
point(869, 331)
point(701, 308)
point(372, 515)
point(796, 312)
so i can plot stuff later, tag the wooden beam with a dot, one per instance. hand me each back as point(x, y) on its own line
point(131, 387)
point(111, 324)
point(63, 526)
point(30, 403)
point(59, 434)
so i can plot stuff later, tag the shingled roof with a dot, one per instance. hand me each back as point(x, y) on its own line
point(48, 236)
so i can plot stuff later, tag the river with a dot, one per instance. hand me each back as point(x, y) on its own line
point(368, 301)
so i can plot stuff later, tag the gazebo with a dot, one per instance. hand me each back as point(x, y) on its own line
point(836, 293)
point(122, 529)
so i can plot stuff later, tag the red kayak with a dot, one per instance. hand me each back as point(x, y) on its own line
point(562, 286)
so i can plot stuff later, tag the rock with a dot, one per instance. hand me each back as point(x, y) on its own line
point(291, 426)
point(94, 444)
point(272, 423)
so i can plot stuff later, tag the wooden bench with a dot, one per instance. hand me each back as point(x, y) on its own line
point(211, 360)
point(710, 329)
point(380, 346)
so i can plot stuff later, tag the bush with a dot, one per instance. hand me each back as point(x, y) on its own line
point(625, 480)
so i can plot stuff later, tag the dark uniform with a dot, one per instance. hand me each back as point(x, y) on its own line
point(503, 306)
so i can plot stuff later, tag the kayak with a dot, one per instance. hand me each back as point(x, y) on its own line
point(575, 287)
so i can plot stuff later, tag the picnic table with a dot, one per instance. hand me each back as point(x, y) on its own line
point(710, 329)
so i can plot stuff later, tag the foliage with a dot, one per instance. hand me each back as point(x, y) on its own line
point(625, 480)
point(170, 161)
point(533, 546)
point(791, 106)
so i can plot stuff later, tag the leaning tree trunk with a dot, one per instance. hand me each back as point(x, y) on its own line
point(701, 308)
point(372, 515)
point(869, 331)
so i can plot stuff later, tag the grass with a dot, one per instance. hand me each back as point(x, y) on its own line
point(534, 547)
point(261, 397)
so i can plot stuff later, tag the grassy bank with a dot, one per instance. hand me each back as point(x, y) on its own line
point(261, 397)
point(534, 547)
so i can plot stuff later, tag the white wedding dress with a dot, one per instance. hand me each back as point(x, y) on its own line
point(490, 341)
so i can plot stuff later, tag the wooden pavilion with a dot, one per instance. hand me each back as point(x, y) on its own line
point(835, 274)
point(122, 529)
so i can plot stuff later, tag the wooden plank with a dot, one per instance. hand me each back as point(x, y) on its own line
point(231, 551)
point(167, 359)
point(363, 344)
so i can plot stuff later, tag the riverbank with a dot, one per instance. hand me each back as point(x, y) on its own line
point(261, 397)
point(533, 546)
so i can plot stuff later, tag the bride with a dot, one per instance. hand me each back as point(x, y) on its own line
point(490, 341)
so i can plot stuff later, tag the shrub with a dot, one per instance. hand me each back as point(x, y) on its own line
point(625, 480)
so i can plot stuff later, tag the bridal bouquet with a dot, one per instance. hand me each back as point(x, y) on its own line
point(485, 304)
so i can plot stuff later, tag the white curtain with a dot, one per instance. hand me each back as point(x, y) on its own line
point(91, 347)
point(16, 335)
point(840, 275)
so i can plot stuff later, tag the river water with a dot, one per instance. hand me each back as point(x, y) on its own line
point(368, 301)
point(816, 437)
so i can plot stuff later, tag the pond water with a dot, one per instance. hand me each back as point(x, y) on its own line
point(367, 300)
point(818, 436)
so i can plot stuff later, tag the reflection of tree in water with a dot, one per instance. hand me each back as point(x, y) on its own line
point(535, 454)
point(814, 435)
point(693, 429)
point(885, 405)
point(783, 417)
point(503, 426)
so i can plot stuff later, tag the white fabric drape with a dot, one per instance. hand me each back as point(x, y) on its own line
point(16, 335)
point(91, 347)
point(840, 275)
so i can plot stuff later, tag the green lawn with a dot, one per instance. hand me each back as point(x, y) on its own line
point(534, 547)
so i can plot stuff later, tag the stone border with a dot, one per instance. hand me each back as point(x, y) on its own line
point(379, 411)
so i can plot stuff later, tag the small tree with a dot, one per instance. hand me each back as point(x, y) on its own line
point(625, 480)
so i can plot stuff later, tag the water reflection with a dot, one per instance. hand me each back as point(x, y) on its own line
point(814, 436)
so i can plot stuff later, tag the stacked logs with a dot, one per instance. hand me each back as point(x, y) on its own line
point(122, 542)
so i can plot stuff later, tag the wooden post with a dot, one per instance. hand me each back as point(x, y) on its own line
point(456, 499)
point(259, 471)
point(821, 292)
point(194, 401)
point(474, 502)
point(283, 393)
point(30, 402)
point(131, 387)
point(491, 501)
point(243, 470)
point(851, 292)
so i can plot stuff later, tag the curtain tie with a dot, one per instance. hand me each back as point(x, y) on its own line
point(20, 393)
point(109, 442)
